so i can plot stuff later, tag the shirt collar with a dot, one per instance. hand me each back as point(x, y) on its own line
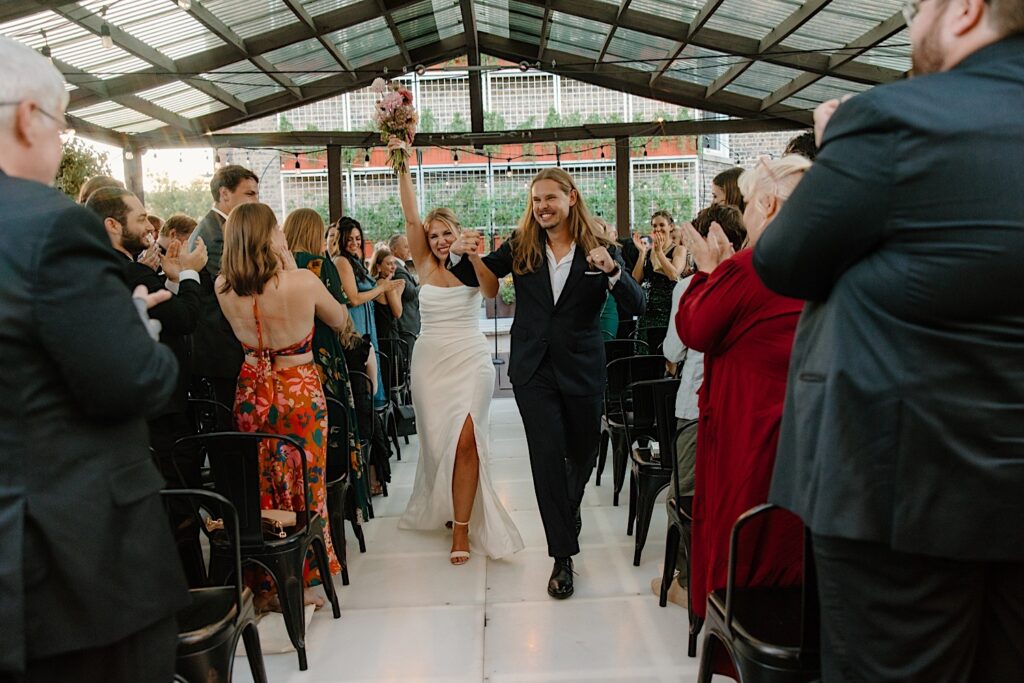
point(567, 258)
point(219, 212)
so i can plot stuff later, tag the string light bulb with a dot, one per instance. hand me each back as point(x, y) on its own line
point(129, 155)
point(185, 4)
point(456, 159)
point(366, 159)
point(645, 151)
point(602, 153)
point(105, 39)
point(508, 171)
point(298, 166)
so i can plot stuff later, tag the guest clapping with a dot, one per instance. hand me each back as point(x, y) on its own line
point(389, 305)
point(745, 332)
point(657, 269)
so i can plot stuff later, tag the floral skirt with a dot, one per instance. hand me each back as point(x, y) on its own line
point(287, 401)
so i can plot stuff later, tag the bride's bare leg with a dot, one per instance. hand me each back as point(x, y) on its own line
point(464, 484)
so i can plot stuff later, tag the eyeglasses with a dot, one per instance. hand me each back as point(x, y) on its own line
point(66, 132)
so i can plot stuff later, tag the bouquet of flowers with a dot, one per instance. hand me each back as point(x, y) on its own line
point(395, 115)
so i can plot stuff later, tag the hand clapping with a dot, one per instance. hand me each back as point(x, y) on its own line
point(708, 253)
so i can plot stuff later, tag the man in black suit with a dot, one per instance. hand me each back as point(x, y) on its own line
point(562, 271)
point(218, 355)
point(902, 443)
point(409, 323)
point(89, 580)
point(125, 220)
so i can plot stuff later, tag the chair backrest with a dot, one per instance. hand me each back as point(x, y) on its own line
point(218, 507)
point(398, 351)
point(654, 402)
point(234, 461)
point(208, 415)
point(362, 390)
point(625, 371)
point(809, 636)
point(387, 372)
point(338, 461)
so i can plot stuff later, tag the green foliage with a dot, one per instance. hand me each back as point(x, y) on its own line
point(284, 125)
point(77, 164)
point(458, 124)
point(380, 220)
point(167, 197)
point(662, 193)
point(507, 290)
point(428, 122)
point(494, 121)
point(470, 203)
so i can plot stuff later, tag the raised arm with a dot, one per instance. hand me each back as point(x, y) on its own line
point(414, 229)
point(327, 308)
point(348, 284)
point(839, 211)
point(638, 267)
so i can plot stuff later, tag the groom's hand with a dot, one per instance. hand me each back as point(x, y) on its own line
point(469, 243)
point(600, 258)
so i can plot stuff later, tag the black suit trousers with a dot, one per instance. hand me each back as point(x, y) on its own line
point(893, 616)
point(562, 433)
point(146, 656)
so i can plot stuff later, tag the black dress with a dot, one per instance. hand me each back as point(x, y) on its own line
point(658, 287)
point(369, 425)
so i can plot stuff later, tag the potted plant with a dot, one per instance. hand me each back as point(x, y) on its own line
point(504, 305)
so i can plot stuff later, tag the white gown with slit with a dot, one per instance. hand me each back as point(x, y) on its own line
point(452, 378)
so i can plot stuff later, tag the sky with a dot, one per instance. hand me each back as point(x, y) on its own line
point(179, 165)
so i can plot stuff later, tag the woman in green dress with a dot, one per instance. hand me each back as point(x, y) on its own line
point(306, 235)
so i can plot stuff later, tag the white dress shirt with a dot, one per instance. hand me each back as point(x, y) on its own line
point(691, 375)
point(558, 271)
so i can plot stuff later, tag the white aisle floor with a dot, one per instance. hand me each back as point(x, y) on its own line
point(408, 615)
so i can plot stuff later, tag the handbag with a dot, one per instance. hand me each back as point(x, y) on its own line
point(405, 417)
point(276, 522)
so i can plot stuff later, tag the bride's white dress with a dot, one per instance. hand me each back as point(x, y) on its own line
point(452, 377)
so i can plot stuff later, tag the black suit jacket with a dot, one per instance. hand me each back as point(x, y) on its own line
point(567, 330)
point(217, 352)
point(904, 417)
point(87, 556)
point(178, 318)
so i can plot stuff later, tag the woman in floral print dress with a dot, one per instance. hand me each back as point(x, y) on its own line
point(271, 306)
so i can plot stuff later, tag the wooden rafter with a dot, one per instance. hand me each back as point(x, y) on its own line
point(623, 6)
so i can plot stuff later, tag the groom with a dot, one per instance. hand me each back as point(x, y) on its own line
point(563, 272)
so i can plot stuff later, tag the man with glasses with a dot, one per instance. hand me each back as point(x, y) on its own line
point(89, 577)
point(902, 442)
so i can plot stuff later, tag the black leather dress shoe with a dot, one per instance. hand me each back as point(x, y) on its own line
point(560, 585)
point(579, 522)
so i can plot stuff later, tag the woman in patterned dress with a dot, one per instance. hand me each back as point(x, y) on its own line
point(271, 306)
point(304, 230)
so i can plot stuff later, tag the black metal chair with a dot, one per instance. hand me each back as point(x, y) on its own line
point(234, 461)
point(362, 390)
point(618, 408)
point(389, 375)
point(341, 493)
point(401, 392)
point(210, 626)
point(652, 422)
point(680, 520)
point(766, 634)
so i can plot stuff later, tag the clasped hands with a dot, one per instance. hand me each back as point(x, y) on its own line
point(708, 253)
point(176, 259)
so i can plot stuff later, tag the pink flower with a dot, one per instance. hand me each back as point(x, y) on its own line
point(379, 86)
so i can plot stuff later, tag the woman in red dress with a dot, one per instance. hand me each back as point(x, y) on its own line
point(746, 334)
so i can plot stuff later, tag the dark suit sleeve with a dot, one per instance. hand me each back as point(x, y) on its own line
point(180, 314)
point(90, 328)
point(627, 292)
point(499, 261)
point(463, 270)
point(838, 212)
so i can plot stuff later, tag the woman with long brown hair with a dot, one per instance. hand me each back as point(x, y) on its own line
point(271, 306)
point(657, 270)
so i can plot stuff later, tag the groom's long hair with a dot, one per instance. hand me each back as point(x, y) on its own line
point(526, 244)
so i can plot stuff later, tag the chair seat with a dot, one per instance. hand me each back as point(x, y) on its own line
point(618, 420)
point(644, 457)
point(767, 620)
point(211, 610)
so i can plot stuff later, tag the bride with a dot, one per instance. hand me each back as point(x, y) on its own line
point(452, 383)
